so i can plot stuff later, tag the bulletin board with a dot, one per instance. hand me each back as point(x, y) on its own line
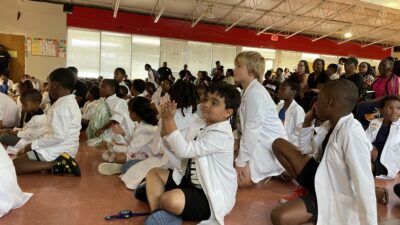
point(46, 47)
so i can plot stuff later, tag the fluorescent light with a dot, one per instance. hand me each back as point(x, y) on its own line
point(348, 35)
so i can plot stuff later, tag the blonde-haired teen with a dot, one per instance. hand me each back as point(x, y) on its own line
point(258, 125)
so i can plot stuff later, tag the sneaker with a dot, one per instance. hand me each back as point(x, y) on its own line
point(300, 191)
point(109, 168)
point(65, 164)
point(108, 156)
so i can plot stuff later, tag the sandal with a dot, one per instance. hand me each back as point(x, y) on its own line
point(382, 195)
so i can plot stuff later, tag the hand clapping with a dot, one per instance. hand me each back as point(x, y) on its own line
point(167, 108)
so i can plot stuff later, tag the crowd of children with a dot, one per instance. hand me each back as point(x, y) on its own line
point(195, 142)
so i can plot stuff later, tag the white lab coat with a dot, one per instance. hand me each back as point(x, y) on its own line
point(120, 113)
point(142, 140)
point(344, 183)
point(390, 157)
point(9, 111)
point(213, 154)
point(294, 118)
point(62, 129)
point(11, 196)
point(161, 156)
point(259, 127)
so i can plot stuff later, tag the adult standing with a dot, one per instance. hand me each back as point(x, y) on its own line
point(164, 72)
point(215, 69)
point(151, 74)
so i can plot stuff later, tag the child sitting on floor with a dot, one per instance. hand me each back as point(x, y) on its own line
point(289, 112)
point(119, 114)
point(60, 141)
point(142, 138)
point(384, 133)
point(196, 194)
point(338, 177)
point(11, 195)
point(31, 125)
point(92, 101)
point(258, 124)
point(138, 88)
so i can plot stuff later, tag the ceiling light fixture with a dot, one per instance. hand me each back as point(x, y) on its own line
point(348, 35)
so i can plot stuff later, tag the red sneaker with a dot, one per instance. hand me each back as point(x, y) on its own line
point(300, 191)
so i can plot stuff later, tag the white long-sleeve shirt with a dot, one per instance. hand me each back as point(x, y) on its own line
point(259, 127)
point(142, 140)
point(62, 129)
point(294, 118)
point(120, 113)
point(9, 111)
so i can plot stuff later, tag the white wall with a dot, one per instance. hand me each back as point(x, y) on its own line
point(38, 20)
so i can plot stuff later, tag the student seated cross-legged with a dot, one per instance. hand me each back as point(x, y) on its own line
point(55, 150)
point(207, 190)
point(338, 176)
point(258, 124)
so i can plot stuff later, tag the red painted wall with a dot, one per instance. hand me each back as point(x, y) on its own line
point(170, 28)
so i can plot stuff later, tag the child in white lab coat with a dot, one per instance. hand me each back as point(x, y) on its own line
point(142, 139)
point(92, 101)
point(338, 176)
point(258, 125)
point(30, 101)
point(119, 113)
point(289, 112)
point(60, 141)
point(9, 112)
point(11, 195)
point(384, 133)
point(196, 194)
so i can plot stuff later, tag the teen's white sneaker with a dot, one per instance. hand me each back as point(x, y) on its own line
point(109, 168)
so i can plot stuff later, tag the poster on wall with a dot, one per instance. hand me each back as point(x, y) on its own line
point(47, 47)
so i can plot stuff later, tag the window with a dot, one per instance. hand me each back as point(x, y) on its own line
point(199, 57)
point(265, 52)
point(174, 53)
point(115, 52)
point(145, 50)
point(225, 54)
point(84, 52)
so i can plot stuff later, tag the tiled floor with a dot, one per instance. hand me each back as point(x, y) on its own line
point(86, 200)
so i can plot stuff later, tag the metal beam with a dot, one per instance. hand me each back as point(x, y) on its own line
point(370, 31)
point(381, 40)
point(116, 6)
point(295, 16)
point(230, 11)
point(194, 9)
point(256, 4)
point(268, 11)
point(162, 9)
point(321, 21)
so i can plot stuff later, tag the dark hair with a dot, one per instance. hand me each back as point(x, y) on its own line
point(387, 99)
point(150, 85)
point(268, 73)
point(217, 62)
point(141, 106)
point(123, 91)
point(32, 95)
point(334, 67)
point(343, 91)
point(294, 85)
point(352, 60)
point(147, 65)
point(169, 81)
point(230, 71)
point(307, 68)
point(184, 94)
point(139, 85)
point(342, 59)
point(65, 77)
point(113, 84)
point(73, 69)
point(370, 70)
point(120, 70)
point(45, 83)
point(322, 61)
point(228, 92)
point(95, 92)
point(25, 86)
point(279, 69)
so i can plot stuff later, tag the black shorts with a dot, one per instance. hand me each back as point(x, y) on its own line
point(196, 203)
point(307, 179)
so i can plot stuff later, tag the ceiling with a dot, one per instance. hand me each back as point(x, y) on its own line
point(364, 21)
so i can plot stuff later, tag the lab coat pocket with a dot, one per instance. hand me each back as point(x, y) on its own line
point(343, 210)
